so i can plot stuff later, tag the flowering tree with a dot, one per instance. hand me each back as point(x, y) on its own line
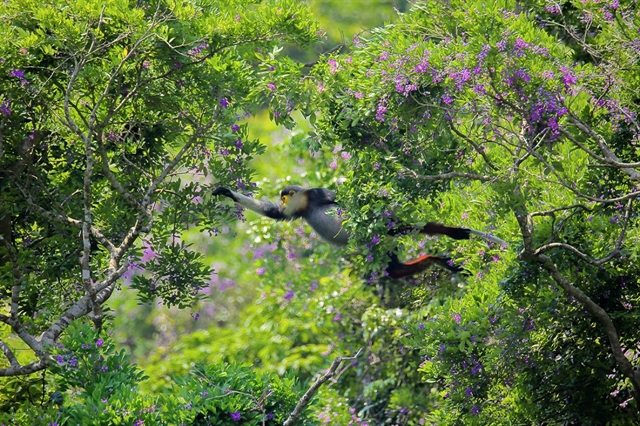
point(520, 120)
point(108, 111)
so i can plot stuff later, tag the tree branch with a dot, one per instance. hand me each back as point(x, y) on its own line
point(86, 236)
point(475, 146)
point(528, 253)
point(19, 370)
point(609, 156)
point(600, 314)
point(13, 361)
point(82, 306)
point(565, 184)
point(314, 388)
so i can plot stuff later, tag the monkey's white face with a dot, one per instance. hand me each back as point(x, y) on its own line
point(294, 202)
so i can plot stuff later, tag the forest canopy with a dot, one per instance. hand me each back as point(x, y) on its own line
point(118, 119)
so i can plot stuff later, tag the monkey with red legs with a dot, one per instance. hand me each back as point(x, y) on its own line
point(313, 205)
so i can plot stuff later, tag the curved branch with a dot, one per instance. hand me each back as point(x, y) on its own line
point(64, 219)
point(13, 361)
point(314, 388)
point(21, 370)
point(600, 314)
point(552, 211)
point(568, 247)
point(528, 253)
point(475, 146)
point(609, 156)
point(564, 184)
point(82, 306)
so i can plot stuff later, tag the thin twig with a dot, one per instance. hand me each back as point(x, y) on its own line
point(314, 388)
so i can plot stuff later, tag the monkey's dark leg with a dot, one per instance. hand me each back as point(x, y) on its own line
point(397, 269)
point(434, 228)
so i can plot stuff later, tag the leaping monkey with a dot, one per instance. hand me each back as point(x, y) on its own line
point(313, 204)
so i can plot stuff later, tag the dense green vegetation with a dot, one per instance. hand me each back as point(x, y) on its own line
point(131, 296)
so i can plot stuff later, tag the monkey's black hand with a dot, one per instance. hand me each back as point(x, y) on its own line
point(225, 192)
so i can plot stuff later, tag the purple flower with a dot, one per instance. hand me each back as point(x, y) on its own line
point(480, 89)
point(375, 239)
point(17, 73)
point(235, 128)
point(475, 410)
point(468, 392)
point(289, 295)
point(333, 66)
point(224, 102)
point(147, 253)
point(521, 44)
point(198, 49)
point(553, 9)
point(260, 271)
point(236, 416)
point(568, 78)
point(99, 342)
point(456, 317)
point(5, 107)
point(380, 112)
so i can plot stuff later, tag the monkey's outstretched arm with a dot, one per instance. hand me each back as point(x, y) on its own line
point(265, 208)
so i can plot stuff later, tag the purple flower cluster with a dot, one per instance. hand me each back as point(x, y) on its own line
point(544, 112)
point(198, 49)
point(5, 107)
point(19, 74)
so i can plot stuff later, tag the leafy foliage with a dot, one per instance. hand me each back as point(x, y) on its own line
point(512, 118)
